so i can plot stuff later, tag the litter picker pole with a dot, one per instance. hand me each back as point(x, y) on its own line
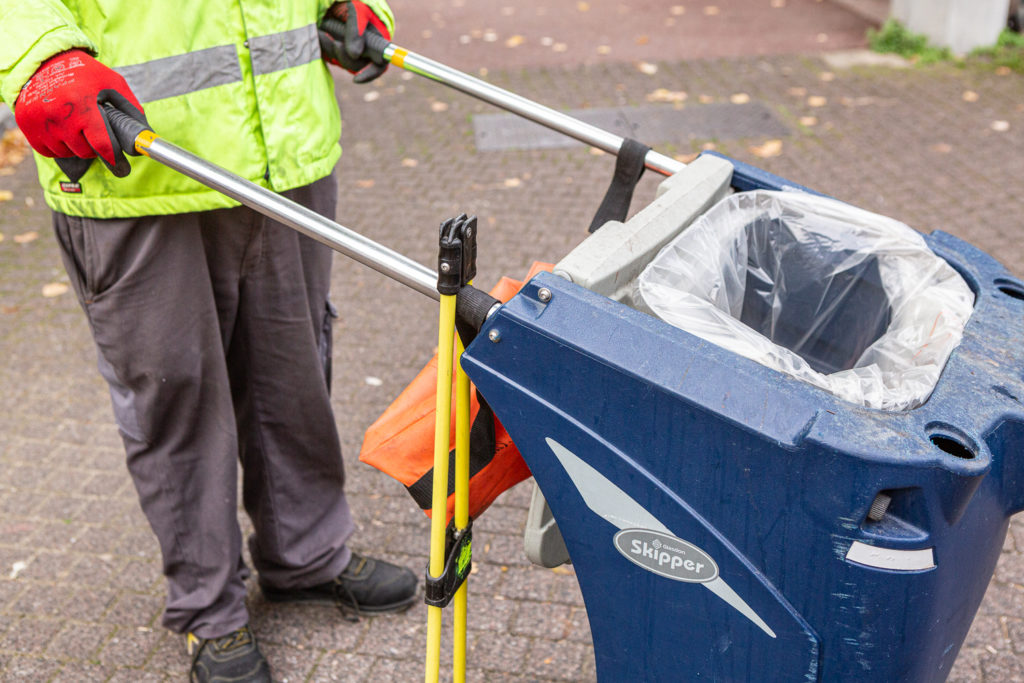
point(132, 133)
point(528, 109)
point(439, 498)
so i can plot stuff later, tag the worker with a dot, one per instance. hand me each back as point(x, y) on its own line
point(212, 323)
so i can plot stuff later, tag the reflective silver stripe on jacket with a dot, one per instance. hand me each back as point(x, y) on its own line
point(180, 74)
point(213, 66)
point(280, 51)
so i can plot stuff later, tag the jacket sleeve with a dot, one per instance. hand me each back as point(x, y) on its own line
point(31, 31)
point(379, 7)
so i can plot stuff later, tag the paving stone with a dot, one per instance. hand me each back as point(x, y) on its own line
point(396, 670)
point(284, 624)
point(77, 671)
point(342, 666)
point(81, 640)
point(541, 620)
point(29, 635)
point(23, 668)
point(130, 647)
point(507, 654)
point(133, 609)
point(125, 675)
point(396, 638)
point(289, 664)
point(560, 660)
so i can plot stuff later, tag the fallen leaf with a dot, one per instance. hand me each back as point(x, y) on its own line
point(970, 96)
point(371, 96)
point(665, 95)
point(438, 106)
point(54, 289)
point(29, 202)
point(739, 98)
point(1000, 126)
point(827, 76)
point(942, 148)
point(705, 99)
point(512, 182)
point(708, 146)
point(464, 40)
point(26, 237)
point(1003, 71)
point(564, 571)
point(482, 71)
point(547, 41)
point(604, 49)
point(594, 151)
point(6, 195)
point(711, 10)
point(771, 148)
point(821, 37)
point(808, 121)
point(641, 40)
point(778, 3)
point(677, 10)
point(647, 68)
point(1, 237)
point(816, 101)
point(515, 41)
point(366, 184)
point(583, 6)
point(410, 163)
point(687, 158)
point(490, 36)
point(373, 381)
point(9, 310)
point(797, 92)
point(548, 660)
point(559, 47)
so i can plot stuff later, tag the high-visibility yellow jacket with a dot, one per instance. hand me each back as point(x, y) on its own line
point(239, 82)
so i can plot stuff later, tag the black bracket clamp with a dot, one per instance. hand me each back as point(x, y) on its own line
point(458, 563)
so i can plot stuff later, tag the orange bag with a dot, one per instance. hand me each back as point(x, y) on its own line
point(401, 442)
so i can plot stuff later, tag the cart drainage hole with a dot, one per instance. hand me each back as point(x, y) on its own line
point(1010, 288)
point(952, 445)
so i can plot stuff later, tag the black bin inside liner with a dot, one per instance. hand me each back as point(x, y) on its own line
point(800, 295)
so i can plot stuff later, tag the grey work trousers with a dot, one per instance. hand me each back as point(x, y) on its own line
point(212, 333)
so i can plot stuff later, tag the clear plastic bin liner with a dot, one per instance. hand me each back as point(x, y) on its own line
point(845, 299)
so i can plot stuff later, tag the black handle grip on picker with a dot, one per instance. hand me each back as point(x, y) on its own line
point(376, 44)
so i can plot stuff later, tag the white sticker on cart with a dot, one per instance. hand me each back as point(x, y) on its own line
point(891, 558)
point(613, 504)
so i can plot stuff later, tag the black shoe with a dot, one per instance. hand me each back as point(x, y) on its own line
point(234, 658)
point(367, 586)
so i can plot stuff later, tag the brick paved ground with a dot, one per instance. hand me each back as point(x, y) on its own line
point(80, 586)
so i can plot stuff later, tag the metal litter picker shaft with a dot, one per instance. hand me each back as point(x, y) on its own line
point(134, 135)
point(503, 99)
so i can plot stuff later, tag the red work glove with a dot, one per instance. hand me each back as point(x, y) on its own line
point(60, 111)
point(348, 47)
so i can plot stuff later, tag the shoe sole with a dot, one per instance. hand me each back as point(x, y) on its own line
point(319, 599)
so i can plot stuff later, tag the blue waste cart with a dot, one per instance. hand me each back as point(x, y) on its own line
point(729, 523)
